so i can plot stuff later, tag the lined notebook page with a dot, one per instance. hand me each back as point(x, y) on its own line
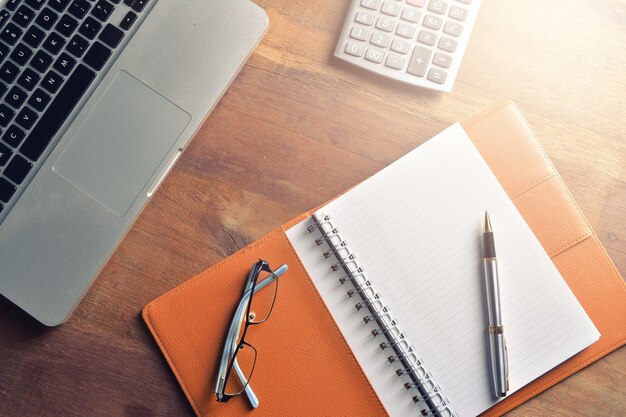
point(415, 228)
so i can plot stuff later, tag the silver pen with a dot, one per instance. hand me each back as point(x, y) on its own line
point(497, 342)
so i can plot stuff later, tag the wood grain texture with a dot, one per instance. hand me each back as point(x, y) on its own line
point(298, 127)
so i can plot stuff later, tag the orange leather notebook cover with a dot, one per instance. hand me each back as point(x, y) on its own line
point(304, 365)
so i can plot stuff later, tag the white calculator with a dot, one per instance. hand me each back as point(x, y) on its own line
point(419, 42)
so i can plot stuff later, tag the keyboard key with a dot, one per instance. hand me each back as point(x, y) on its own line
point(438, 6)
point(54, 43)
point(432, 22)
point(11, 33)
point(111, 36)
point(66, 25)
point(58, 5)
point(64, 64)
point(8, 72)
point(79, 8)
point(39, 100)
point(374, 55)
point(427, 37)
point(14, 136)
point(419, 61)
point(5, 155)
point(410, 14)
point(400, 46)
point(447, 44)
point(12, 4)
point(138, 5)
point(394, 62)
point(6, 190)
point(23, 16)
point(406, 31)
point(360, 33)
point(442, 60)
point(21, 54)
point(370, 4)
point(18, 169)
point(364, 18)
point(453, 29)
point(77, 46)
point(46, 19)
point(90, 28)
point(59, 110)
point(35, 4)
point(41, 61)
point(354, 49)
point(26, 118)
point(458, 13)
point(391, 8)
point(52, 82)
point(103, 10)
point(128, 21)
point(380, 39)
point(4, 51)
point(97, 56)
point(437, 76)
point(6, 115)
point(385, 24)
point(4, 16)
point(34, 36)
point(16, 97)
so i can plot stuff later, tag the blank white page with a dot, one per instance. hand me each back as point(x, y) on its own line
point(415, 228)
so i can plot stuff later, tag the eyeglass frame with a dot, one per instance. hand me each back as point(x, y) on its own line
point(232, 344)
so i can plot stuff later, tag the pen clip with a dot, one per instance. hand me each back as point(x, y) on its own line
point(506, 364)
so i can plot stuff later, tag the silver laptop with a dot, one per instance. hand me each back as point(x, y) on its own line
point(98, 100)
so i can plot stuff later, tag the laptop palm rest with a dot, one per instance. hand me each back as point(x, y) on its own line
point(121, 144)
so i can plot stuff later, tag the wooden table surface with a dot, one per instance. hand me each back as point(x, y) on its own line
point(298, 127)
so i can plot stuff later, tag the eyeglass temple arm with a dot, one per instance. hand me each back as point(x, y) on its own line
point(231, 339)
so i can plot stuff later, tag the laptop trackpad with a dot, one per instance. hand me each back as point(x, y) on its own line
point(121, 143)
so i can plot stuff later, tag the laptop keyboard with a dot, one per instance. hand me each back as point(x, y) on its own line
point(50, 53)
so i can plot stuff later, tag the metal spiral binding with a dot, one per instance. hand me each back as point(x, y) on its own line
point(403, 353)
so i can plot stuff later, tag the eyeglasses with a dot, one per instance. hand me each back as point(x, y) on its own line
point(238, 356)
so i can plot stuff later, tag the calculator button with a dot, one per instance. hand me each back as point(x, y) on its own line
point(427, 38)
point(394, 62)
point(438, 6)
point(380, 39)
point(447, 44)
point(370, 4)
point(458, 13)
point(418, 3)
point(374, 55)
point(453, 29)
point(432, 22)
point(392, 9)
point(365, 18)
point(405, 31)
point(419, 61)
point(400, 46)
point(442, 60)
point(410, 15)
point(437, 76)
point(360, 33)
point(354, 49)
point(385, 24)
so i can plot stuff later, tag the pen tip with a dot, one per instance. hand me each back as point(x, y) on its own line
point(487, 225)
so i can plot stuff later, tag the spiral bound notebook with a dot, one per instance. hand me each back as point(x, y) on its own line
point(414, 230)
point(406, 245)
